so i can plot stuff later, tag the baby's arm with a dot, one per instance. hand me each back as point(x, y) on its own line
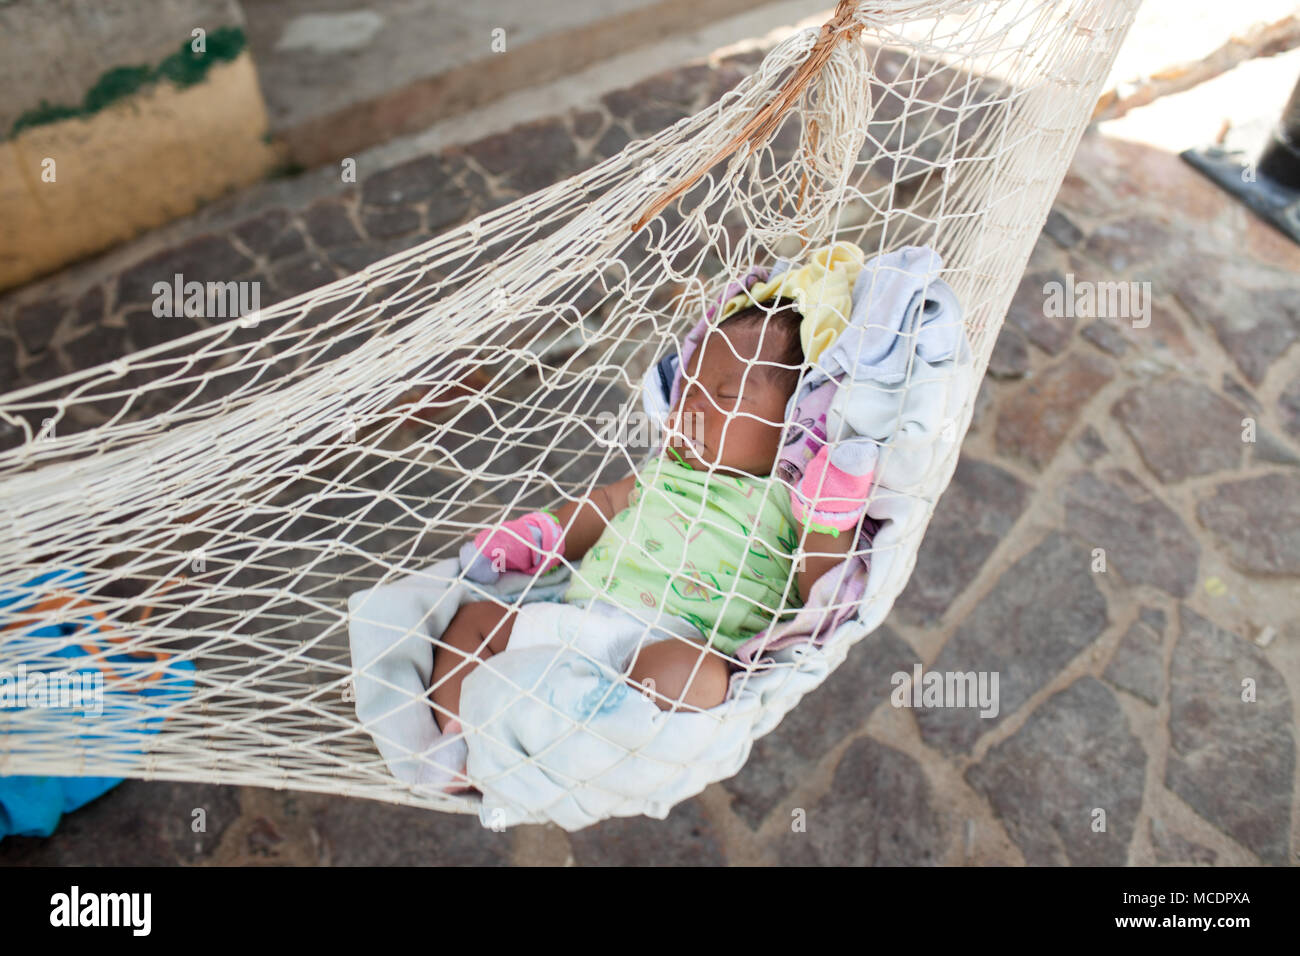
point(507, 546)
point(586, 518)
point(821, 552)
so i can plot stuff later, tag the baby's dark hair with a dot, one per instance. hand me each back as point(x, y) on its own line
point(784, 319)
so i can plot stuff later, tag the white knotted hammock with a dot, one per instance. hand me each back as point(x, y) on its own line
point(223, 494)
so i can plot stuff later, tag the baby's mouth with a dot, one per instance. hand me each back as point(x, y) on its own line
point(687, 447)
point(678, 438)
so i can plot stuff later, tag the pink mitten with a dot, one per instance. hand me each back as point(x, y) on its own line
point(827, 498)
point(532, 544)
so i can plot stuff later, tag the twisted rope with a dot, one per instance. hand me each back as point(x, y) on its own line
point(843, 25)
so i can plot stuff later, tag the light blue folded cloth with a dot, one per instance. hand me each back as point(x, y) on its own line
point(900, 308)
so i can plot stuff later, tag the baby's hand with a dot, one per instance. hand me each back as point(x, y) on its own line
point(829, 499)
point(532, 544)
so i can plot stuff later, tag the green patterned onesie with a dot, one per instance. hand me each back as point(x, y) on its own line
point(683, 543)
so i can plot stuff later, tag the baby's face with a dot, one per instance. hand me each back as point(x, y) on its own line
point(730, 426)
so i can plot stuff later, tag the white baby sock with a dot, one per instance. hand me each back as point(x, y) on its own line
point(443, 765)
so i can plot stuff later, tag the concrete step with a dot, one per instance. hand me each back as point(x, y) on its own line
point(339, 78)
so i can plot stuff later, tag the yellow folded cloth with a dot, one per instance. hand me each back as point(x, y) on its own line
point(822, 292)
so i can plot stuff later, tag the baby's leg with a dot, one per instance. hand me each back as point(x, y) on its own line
point(479, 630)
point(665, 668)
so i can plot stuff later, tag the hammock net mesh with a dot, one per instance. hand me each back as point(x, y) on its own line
point(223, 494)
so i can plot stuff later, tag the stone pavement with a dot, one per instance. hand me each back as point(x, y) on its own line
point(1122, 734)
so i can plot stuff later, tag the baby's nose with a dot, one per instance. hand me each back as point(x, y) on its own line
point(704, 414)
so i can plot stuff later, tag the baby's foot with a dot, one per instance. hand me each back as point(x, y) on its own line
point(443, 765)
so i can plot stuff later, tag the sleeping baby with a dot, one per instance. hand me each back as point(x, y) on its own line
point(686, 560)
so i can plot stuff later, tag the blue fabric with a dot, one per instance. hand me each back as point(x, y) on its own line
point(33, 805)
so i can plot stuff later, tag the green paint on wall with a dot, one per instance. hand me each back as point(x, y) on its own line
point(117, 84)
point(45, 113)
point(183, 68)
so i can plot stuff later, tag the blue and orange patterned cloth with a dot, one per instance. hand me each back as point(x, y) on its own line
point(133, 689)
